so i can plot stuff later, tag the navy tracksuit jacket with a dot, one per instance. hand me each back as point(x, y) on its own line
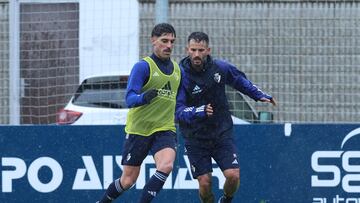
point(198, 89)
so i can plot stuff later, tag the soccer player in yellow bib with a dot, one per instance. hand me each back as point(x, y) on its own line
point(151, 96)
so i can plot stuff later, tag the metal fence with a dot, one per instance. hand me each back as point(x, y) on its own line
point(4, 62)
point(306, 54)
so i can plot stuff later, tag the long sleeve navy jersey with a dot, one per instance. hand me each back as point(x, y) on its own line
point(197, 89)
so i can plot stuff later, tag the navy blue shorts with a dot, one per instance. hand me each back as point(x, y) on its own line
point(221, 149)
point(137, 147)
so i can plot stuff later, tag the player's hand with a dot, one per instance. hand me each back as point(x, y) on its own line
point(272, 100)
point(149, 95)
point(209, 110)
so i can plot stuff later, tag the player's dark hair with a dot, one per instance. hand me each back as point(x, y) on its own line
point(198, 37)
point(162, 28)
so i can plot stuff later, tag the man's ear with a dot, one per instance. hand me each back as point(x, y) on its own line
point(209, 50)
point(153, 40)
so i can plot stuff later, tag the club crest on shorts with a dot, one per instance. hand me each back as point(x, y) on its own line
point(193, 168)
point(217, 77)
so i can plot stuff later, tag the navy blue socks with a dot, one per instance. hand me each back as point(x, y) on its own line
point(225, 199)
point(153, 186)
point(114, 190)
point(151, 189)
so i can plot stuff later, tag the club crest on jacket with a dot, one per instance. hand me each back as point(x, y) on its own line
point(217, 77)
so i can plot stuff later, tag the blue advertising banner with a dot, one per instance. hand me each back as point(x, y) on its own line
point(279, 164)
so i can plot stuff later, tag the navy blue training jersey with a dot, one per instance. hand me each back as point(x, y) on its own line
point(198, 89)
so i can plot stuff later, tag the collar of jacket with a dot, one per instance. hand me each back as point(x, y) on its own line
point(186, 64)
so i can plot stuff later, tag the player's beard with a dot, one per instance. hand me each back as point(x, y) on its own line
point(197, 63)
